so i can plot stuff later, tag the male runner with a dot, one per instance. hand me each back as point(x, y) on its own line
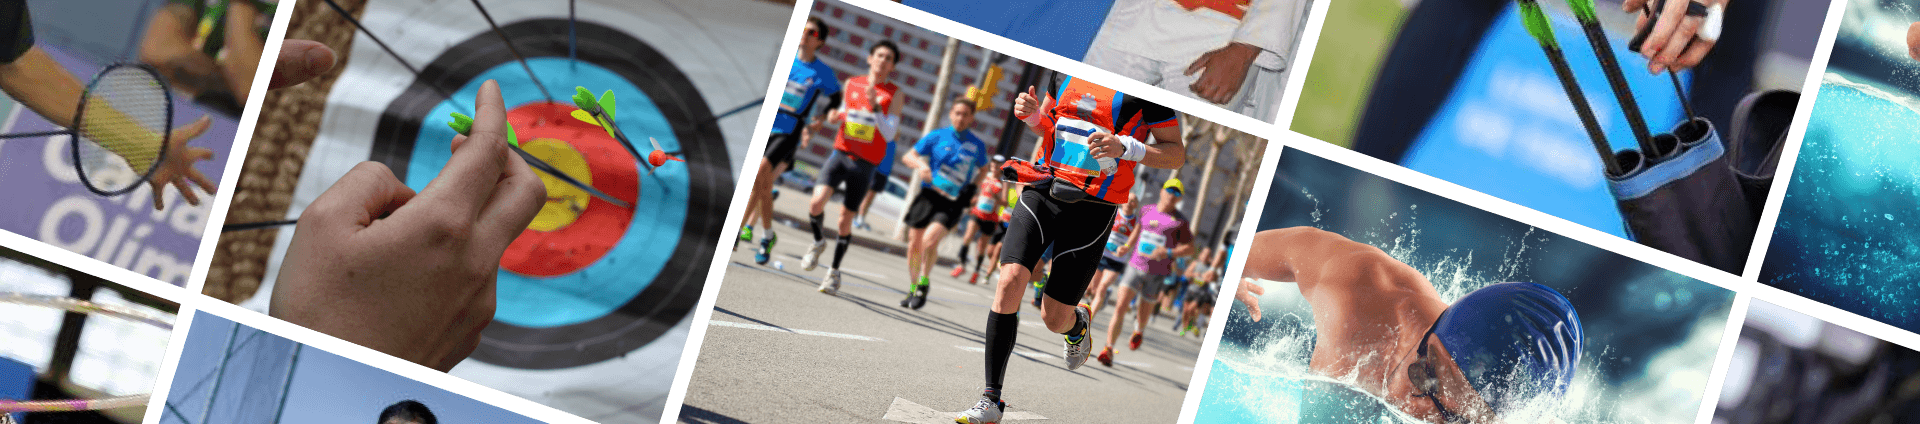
point(1199, 298)
point(947, 161)
point(882, 173)
point(1494, 355)
point(807, 82)
point(1113, 258)
point(1091, 141)
point(1162, 235)
point(867, 119)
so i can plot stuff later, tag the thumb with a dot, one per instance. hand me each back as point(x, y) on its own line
point(1199, 64)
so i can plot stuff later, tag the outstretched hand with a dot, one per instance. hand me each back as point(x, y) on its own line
point(1245, 294)
point(177, 167)
point(413, 275)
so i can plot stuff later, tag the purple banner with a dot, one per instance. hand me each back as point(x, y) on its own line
point(46, 201)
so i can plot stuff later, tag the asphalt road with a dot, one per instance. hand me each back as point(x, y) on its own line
point(779, 351)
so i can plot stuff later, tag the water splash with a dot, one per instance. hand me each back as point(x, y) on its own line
point(1269, 379)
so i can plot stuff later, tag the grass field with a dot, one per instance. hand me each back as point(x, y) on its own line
point(1352, 43)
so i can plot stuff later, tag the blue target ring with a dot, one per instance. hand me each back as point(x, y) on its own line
point(602, 287)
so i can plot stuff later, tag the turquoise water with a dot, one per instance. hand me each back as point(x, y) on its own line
point(1846, 234)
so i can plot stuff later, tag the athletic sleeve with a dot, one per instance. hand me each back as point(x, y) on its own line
point(16, 31)
point(886, 162)
point(1157, 116)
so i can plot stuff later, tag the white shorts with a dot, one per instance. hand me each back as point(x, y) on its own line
point(1259, 95)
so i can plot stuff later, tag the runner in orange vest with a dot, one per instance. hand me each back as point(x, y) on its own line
point(1092, 139)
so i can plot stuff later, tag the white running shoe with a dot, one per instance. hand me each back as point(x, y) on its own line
point(812, 258)
point(983, 412)
point(831, 283)
point(1077, 351)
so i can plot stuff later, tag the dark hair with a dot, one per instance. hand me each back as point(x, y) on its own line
point(820, 24)
point(963, 100)
point(408, 410)
point(888, 44)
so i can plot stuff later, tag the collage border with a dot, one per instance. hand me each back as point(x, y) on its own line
point(1276, 130)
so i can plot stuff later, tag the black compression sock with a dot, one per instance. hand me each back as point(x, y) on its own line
point(815, 220)
point(1077, 327)
point(963, 253)
point(977, 260)
point(840, 250)
point(1001, 331)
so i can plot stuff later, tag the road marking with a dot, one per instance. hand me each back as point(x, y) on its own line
point(903, 410)
point(720, 323)
point(1029, 354)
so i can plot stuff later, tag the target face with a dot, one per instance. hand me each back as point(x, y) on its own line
point(589, 280)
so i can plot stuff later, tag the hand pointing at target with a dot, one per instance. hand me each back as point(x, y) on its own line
point(412, 275)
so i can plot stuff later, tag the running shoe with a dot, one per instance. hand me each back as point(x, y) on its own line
point(766, 252)
point(912, 288)
point(1076, 350)
point(985, 411)
point(831, 283)
point(1133, 343)
point(746, 233)
point(812, 259)
point(1106, 356)
point(959, 269)
point(920, 297)
point(975, 279)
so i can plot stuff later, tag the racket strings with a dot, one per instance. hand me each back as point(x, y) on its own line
point(123, 128)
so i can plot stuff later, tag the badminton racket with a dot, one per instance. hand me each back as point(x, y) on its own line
point(121, 129)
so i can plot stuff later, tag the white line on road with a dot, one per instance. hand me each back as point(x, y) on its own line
point(908, 411)
point(720, 323)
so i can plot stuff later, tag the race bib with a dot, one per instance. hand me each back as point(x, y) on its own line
point(1116, 240)
point(948, 180)
point(860, 126)
point(985, 205)
point(1071, 147)
point(794, 98)
point(1150, 242)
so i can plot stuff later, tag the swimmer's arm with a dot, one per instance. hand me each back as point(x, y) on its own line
point(1319, 259)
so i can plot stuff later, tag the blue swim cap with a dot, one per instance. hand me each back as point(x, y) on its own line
point(1514, 342)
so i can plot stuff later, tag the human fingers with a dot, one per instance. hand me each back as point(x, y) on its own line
point(515, 201)
point(300, 60)
point(191, 131)
point(199, 154)
point(367, 192)
point(468, 180)
point(1677, 44)
point(1631, 6)
point(1201, 63)
point(1673, 12)
point(1695, 53)
point(186, 191)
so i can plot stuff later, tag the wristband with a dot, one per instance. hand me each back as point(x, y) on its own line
point(1135, 149)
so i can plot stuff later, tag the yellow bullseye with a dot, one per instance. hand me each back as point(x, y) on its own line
point(564, 201)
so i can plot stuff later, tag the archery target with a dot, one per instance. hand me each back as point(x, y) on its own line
point(594, 302)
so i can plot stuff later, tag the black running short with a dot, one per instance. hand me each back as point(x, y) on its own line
point(1108, 263)
point(1075, 231)
point(929, 207)
point(781, 148)
point(856, 174)
point(999, 231)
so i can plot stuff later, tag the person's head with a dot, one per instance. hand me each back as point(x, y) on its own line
point(1500, 351)
point(815, 35)
point(961, 113)
point(881, 58)
point(1170, 193)
point(407, 412)
point(1133, 203)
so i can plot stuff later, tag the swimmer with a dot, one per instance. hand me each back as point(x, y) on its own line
point(1382, 327)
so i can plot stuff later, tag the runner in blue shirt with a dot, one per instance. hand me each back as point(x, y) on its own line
point(808, 83)
point(948, 161)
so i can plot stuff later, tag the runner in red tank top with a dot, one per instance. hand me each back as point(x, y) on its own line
point(868, 116)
